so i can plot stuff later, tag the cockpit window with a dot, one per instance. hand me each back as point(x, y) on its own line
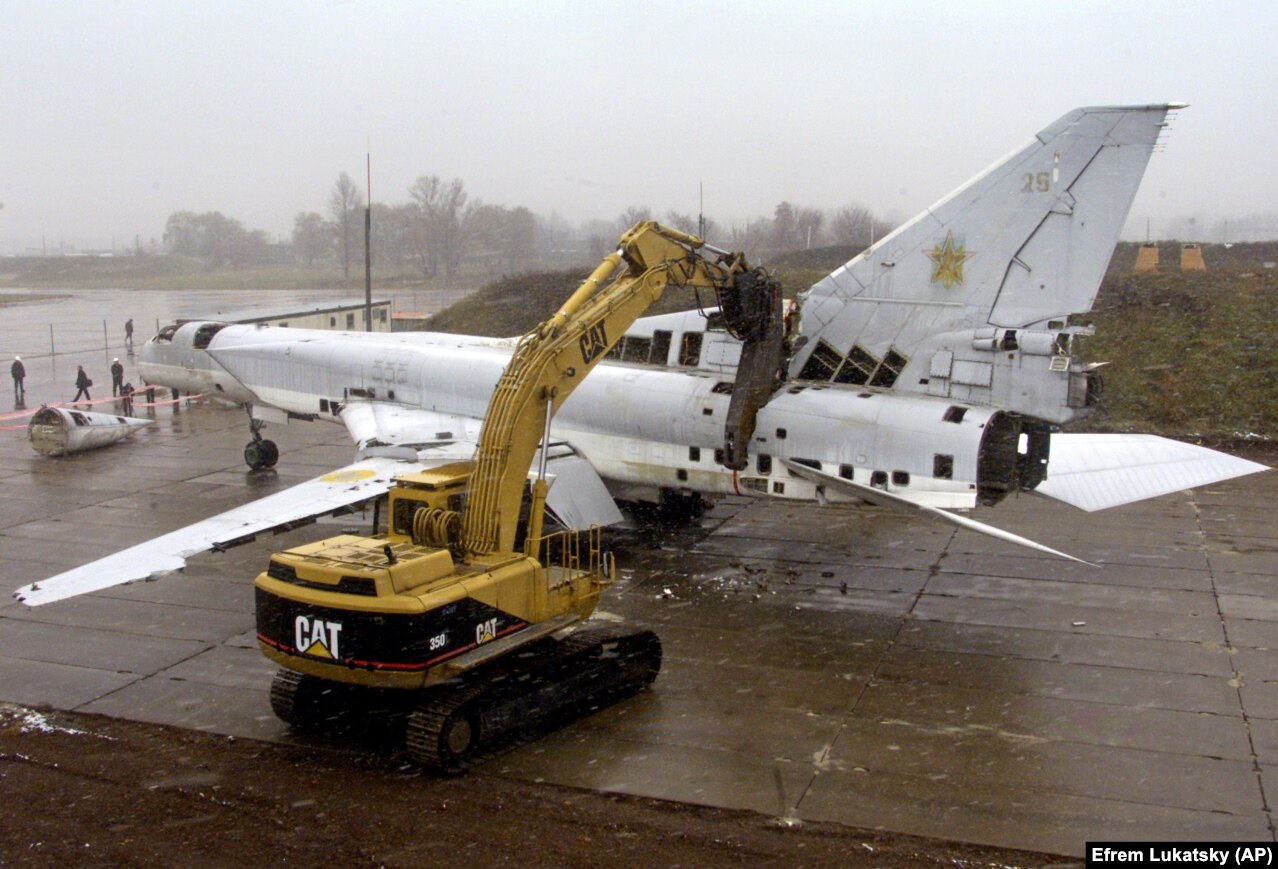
point(166, 334)
point(205, 333)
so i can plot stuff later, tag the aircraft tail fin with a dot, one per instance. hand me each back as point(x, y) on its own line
point(999, 264)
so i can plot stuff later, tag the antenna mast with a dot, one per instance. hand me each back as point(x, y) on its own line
point(368, 243)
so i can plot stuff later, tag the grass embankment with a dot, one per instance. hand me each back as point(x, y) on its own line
point(1194, 354)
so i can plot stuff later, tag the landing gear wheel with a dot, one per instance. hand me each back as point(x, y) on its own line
point(298, 700)
point(443, 734)
point(261, 454)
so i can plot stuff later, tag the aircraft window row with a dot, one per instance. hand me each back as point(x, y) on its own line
point(823, 362)
point(858, 368)
point(954, 413)
point(943, 467)
point(690, 349)
point(781, 433)
point(694, 454)
point(636, 349)
point(660, 354)
point(890, 369)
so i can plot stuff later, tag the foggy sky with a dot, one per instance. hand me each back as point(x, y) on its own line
point(115, 114)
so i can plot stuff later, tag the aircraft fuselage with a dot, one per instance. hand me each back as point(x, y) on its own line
point(644, 428)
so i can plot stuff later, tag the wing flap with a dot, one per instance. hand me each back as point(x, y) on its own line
point(1098, 471)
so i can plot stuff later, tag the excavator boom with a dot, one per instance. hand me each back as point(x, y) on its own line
point(553, 359)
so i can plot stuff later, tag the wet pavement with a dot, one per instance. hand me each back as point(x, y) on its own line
point(843, 664)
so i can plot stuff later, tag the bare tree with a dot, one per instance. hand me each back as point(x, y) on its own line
point(807, 224)
point(857, 225)
point(312, 238)
point(785, 228)
point(439, 235)
point(344, 206)
point(632, 215)
point(682, 222)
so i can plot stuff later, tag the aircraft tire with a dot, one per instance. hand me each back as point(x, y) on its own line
point(271, 454)
point(254, 455)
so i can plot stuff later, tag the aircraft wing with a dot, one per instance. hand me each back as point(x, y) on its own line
point(884, 498)
point(577, 496)
point(330, 493)
point(1097, 471)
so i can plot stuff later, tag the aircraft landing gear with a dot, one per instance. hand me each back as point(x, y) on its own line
point(260, 453)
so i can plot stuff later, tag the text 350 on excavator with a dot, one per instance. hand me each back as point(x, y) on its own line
point(464, 609)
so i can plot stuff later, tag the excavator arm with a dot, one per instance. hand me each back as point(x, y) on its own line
point(553, 359)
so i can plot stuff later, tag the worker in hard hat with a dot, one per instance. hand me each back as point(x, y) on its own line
point(19, 372)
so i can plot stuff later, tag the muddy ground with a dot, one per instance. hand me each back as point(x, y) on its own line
point(84, 790)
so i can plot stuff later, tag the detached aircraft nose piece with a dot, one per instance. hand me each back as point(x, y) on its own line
point(57, 431)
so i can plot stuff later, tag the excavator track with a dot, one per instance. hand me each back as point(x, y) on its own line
point(455, 727)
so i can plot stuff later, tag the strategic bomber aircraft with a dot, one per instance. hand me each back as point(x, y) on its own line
point(927, 373)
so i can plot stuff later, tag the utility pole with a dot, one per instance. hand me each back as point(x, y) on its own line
point(368, 245)
point(701, 212)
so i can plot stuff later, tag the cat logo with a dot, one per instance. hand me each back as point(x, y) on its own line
point(593, 342)
point(317, 637)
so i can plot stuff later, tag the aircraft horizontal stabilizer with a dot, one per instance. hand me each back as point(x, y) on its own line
point(1098, 471)
point(323, 495)
point(883, 498)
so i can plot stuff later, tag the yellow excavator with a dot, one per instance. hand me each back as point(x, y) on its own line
point(465, 611)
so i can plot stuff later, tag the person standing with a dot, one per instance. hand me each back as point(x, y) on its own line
point(117, 376)
point(128, 333)
point(126, 392)
point(19, 372)
point(82, 384)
